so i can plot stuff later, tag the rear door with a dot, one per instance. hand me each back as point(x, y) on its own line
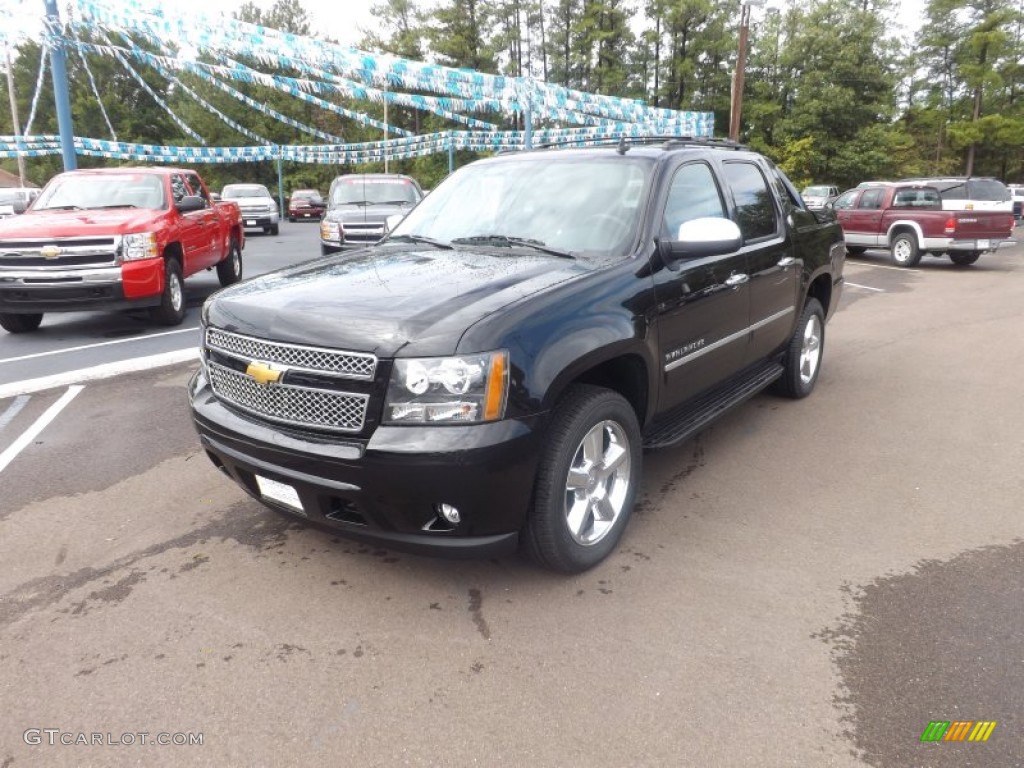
point(213, 239)
point(703, 304)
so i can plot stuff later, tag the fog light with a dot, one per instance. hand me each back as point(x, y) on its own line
point(449, 513)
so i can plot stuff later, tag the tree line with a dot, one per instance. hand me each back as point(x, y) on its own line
point(831, 93)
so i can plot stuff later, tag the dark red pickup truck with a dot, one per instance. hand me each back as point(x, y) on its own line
point(907, 218)
point(115, 238)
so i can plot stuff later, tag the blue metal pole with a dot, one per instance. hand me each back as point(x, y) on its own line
point(58, 66)
point(280, 183)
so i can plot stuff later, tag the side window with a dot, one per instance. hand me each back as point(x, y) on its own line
point(755, 211)
point(954, 192)
point(845, 200)
point(871, 199)
point(178, 188)
point(693, 194)
point(196, 187)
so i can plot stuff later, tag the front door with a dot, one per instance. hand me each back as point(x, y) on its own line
point(703, 303)
point(772, 264)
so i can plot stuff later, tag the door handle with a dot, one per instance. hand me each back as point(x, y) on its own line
point(736, 279)
point(787, 261)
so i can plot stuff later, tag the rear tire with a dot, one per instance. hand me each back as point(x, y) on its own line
point(20, 323)
point(229, 271)
point(586, 486)
point(904, 250)
point(855, 250)
point(964, 258)
point(806, 348)
point(172, 302)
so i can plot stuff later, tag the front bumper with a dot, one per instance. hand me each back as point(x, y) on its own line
point(385, 489)
point(253, 220)
point(133, 285)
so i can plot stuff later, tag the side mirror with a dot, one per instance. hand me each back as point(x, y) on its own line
point(830, 206)
point(190, 203)
point(392, 221)
point(706, 236)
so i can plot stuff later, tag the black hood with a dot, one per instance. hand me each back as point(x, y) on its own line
point(387, 300)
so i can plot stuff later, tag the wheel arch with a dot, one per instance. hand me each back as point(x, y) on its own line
point(905, 227)
point(620, 369)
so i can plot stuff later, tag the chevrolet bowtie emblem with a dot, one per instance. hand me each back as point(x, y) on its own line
point(263, 373)
point(50, 251)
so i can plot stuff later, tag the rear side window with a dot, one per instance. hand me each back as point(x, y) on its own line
point(871, 199)
point(988, 189)
point(917, 198)
point(954, 191)
point(846, 200)
point(755, 211)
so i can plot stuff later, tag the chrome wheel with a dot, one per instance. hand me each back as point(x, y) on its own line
point(176, 292)
point(902, 251)
point(810, 349)
point(236, 260)
point(598, 483)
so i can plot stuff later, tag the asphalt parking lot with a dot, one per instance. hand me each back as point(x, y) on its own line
point(805, 584)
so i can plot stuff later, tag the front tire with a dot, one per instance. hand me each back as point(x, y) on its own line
point(587, 481)
point(964, 258)
point(802, 361)
point(904, 250)
point(229, 271)
point(172, 301)
point(20, 323)
point(855, 250)
point(275, 230)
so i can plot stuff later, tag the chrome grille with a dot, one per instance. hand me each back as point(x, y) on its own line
point(349, 365)
point(300, 406)
point(74, 252)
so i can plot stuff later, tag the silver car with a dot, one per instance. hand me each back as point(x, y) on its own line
point(259, 208)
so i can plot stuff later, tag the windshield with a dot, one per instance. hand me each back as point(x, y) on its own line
point(583, 205)
point(107, 190)
point(305, 194)
point(235, 193)
point(358, 190)
point(815, 192)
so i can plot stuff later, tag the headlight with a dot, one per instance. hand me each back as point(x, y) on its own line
point(468, 389)
point(331, 231)
point(139, 246)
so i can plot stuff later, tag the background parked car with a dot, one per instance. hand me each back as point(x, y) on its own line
point(305, 204)
point(819, 195)
point(359, 206)
point(1017, 195)
point(259, 209)
point(971, 193)
point(15, 200)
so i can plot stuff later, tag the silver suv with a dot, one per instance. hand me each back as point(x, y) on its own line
point(359, 206)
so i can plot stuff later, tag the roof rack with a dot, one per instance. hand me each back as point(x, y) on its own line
point(623, 143)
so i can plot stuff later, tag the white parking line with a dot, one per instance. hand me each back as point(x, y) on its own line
point(13, 410)
point(40, 424)
point(879, 266)
point(865, 287)
point(104, 371)
point(97, 344)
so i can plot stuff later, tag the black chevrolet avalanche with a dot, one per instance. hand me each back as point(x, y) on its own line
point(491, 372)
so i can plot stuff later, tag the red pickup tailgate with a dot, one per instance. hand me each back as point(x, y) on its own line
point(992, 225)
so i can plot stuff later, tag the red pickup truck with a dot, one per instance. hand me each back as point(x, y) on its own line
point(907, 218)
point(115, 238)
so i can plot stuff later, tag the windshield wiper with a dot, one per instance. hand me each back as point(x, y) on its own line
point(508, 240)
point(394, 202)
point(62, 208)
point(114, 205)
point(420, 239)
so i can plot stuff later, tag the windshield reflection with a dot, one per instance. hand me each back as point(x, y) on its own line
point(583, 205)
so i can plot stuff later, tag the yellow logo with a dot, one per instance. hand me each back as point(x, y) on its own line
point(50, 251)
point(263, 373)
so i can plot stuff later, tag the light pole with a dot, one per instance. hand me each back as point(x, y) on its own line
point(736, 108)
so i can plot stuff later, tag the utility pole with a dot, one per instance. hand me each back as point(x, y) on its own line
point(736, 107)
point(58, 67)
point(14, 113)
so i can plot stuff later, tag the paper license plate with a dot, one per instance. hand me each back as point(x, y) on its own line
point(279, 492)
point(250, 222)
point(983, 244)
